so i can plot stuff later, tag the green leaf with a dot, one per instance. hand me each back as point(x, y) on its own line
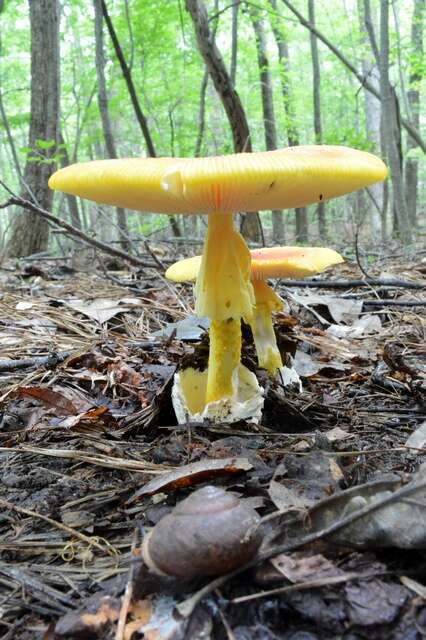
point(45, 144)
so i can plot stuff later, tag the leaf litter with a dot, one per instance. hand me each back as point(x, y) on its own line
point(86, 365)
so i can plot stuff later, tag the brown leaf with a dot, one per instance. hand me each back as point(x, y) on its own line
point(191, 474)
point(52, 398)
point(98, 613)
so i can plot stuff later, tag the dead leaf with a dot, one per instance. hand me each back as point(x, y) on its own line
point(337, 434)
point(341, 309)
point(374, 602)
point(286, 498)
point(306, 365)
point(190, 328)
point(400, 523)
point(191, 474)
point(96, 615)
point(52, 398)
point(367, 324)
point(417, 439)
point(99, 309)
point(298, 567)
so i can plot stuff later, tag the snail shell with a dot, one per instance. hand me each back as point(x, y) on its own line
point(209, 533)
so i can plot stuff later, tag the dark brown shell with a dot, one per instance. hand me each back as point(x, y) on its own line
point(209, 533)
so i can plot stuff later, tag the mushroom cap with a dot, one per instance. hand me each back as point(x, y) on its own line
point(274, 262)
point(286, 178)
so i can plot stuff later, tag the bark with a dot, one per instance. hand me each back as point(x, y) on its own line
point(316, 90)
point(228, 95)
point(105, 116)
point(413, 95)
point(201, 114)
point(267, 108)
point(31, 235)
point(411, 130)
point(287, 94)
point(369, 62)
point(391, 127)
point(71, 200)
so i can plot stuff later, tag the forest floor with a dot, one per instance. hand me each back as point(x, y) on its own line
point(86, 422)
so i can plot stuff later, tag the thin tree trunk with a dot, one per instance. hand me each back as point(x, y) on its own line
point(228, 95)
point(234, 42)
point(391, 127)
point(201, 114)
point(267, 108)
point(30, 234)
point(412, 131)
point(287, 94)
point(316, 80)
point(129, 81)
point(71, 200)
point(140, 116)
point(105, 117)
point(373, 109)
point(5, 122)
point(413, 95)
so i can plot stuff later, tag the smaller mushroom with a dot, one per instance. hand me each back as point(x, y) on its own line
point(211, 532)
point(274, 262)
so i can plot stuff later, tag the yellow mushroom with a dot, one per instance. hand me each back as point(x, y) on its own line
point(220, 186)
point(274, 262)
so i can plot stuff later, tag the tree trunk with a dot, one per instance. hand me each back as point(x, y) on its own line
point(71, 200)
point(391, 127)
point(140, 116)
point(267, 108)
point(105, 117)
point(30, 234)
point(413, 95)
point(412, 131)
point(234, 42)
point(373, 109)
point(291, 126)
point(316, 80)
point(228, 95)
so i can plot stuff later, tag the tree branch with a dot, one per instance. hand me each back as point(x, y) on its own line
point(412, 131)
point(73, 231)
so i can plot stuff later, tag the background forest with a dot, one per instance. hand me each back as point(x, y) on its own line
point(113, 78)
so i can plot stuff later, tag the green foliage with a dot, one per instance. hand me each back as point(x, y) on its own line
point(167, 69)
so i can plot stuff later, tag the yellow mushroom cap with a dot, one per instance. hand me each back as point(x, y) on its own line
point(291, 262)
point(286, 178)
point(274, 262)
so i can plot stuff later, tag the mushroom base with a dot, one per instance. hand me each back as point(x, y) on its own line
point(189, 393)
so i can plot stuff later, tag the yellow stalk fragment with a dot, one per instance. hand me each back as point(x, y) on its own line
point(224, 358)
point(267, 300)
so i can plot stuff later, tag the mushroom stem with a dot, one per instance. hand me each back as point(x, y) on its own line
point(262, 328)
point(224, 293)
point(223, 289)
point(224, 358)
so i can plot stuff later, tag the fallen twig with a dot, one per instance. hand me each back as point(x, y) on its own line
point(73, 231)
point(348, 284)
point(38, 361)
point(394, 303)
